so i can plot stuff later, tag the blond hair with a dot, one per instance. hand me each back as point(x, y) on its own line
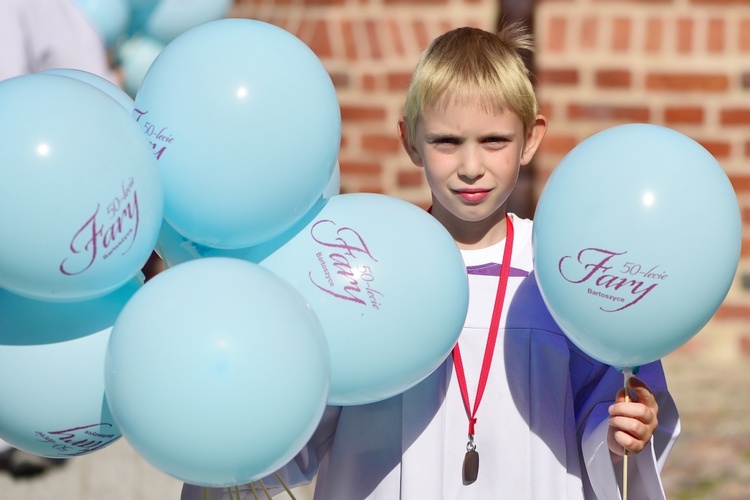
point(466, 64)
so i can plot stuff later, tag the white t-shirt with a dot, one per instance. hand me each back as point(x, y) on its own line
point(541, 428)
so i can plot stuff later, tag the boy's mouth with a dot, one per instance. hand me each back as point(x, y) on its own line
point(473, 195)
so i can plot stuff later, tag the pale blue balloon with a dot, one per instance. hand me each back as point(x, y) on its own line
point(79, 189)
point(246, 124)
point(171, 18)
point(110, 18)
point(637, 238)
point(135, 56)
point(389, 286)
point(217, 372)
point(109, 88)
point(52, 399)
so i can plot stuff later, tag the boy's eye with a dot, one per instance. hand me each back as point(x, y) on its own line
point(445, 140)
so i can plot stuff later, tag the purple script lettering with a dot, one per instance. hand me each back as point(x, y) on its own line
point(594, 264)
point(344, 245)
point(93, 238)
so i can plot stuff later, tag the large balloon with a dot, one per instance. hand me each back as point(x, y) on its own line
point(217, 372)
point(80, 190)
point(171, 18)
point(637, 238)
point(389, 286)
point(246, 125)
point(52, 399)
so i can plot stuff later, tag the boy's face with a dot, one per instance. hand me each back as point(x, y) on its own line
point(471, 158)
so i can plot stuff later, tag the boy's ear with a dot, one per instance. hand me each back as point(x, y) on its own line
point(533, 139)
point(403, 134)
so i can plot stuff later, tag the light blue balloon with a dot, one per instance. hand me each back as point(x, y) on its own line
point(52, 399)
point(109, 88)
point(171, 18)
point(246, 124)
point(79, 189)
point(637, 238)
point(217, 372)
point(174, 248)
point(389, 286)
point(110, 18)
point(135, 56)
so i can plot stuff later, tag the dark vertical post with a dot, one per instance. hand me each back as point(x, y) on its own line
point(522, 202)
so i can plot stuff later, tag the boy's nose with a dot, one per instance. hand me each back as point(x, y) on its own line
point(471, 166)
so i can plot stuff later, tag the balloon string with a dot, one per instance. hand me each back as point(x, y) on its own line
point(627, 374)
point(252, 488)
point(237, 490)
point(206, 494)
point(263, 486)
point(229, 492)
point(286, 488)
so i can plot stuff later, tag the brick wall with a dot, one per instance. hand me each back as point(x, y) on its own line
point(684, 64)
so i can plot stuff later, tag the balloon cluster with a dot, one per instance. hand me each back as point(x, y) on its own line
point(637, 238)
point(136, 31)
point(280, 296)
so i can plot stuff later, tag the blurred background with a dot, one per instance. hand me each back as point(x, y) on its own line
point(683, 64)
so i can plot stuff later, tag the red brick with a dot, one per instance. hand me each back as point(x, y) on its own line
point(350, 43)
point(605, 112)
point(747, 149)
point(621, 27)
point(561, 76)
point(362, 113)
point(396, 40)
point(318, 39)
point(416, 2)
point(685, 27)
point(735, 116)
point(398, 81)
point(719, 149)
point(744, 35)
point(613, 78)
point(740, 183)
point(654, 35)
point(370, 82)
point(420, 33)
point(360, 168)
point(589, 32)
point(732, 312)
point(381, 143)
point(686, 82)
point(340, 80)
point(558, 144)
point(373, 38)
point(720, 2)
point(683, 114)
point(715, 36)
point(410, 179)
point(556, 34)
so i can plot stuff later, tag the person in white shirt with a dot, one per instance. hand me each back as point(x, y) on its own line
point(547, 420)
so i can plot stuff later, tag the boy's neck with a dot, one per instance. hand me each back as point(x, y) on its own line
point(473, 235)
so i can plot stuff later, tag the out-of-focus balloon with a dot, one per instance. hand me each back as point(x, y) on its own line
point(218, 105)
point(135, 56)
point(110, 18)
point(637, 238)
point(171, 18)
point(389, 286)
point(52, 371)
point(217, 372)
point(100, 83)
point(79, 189)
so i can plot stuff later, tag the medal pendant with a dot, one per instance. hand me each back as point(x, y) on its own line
point(471, 466)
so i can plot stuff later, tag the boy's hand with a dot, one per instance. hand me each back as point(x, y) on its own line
point(631, 424)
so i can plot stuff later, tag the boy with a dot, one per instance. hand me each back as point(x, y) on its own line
point(547, 420)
